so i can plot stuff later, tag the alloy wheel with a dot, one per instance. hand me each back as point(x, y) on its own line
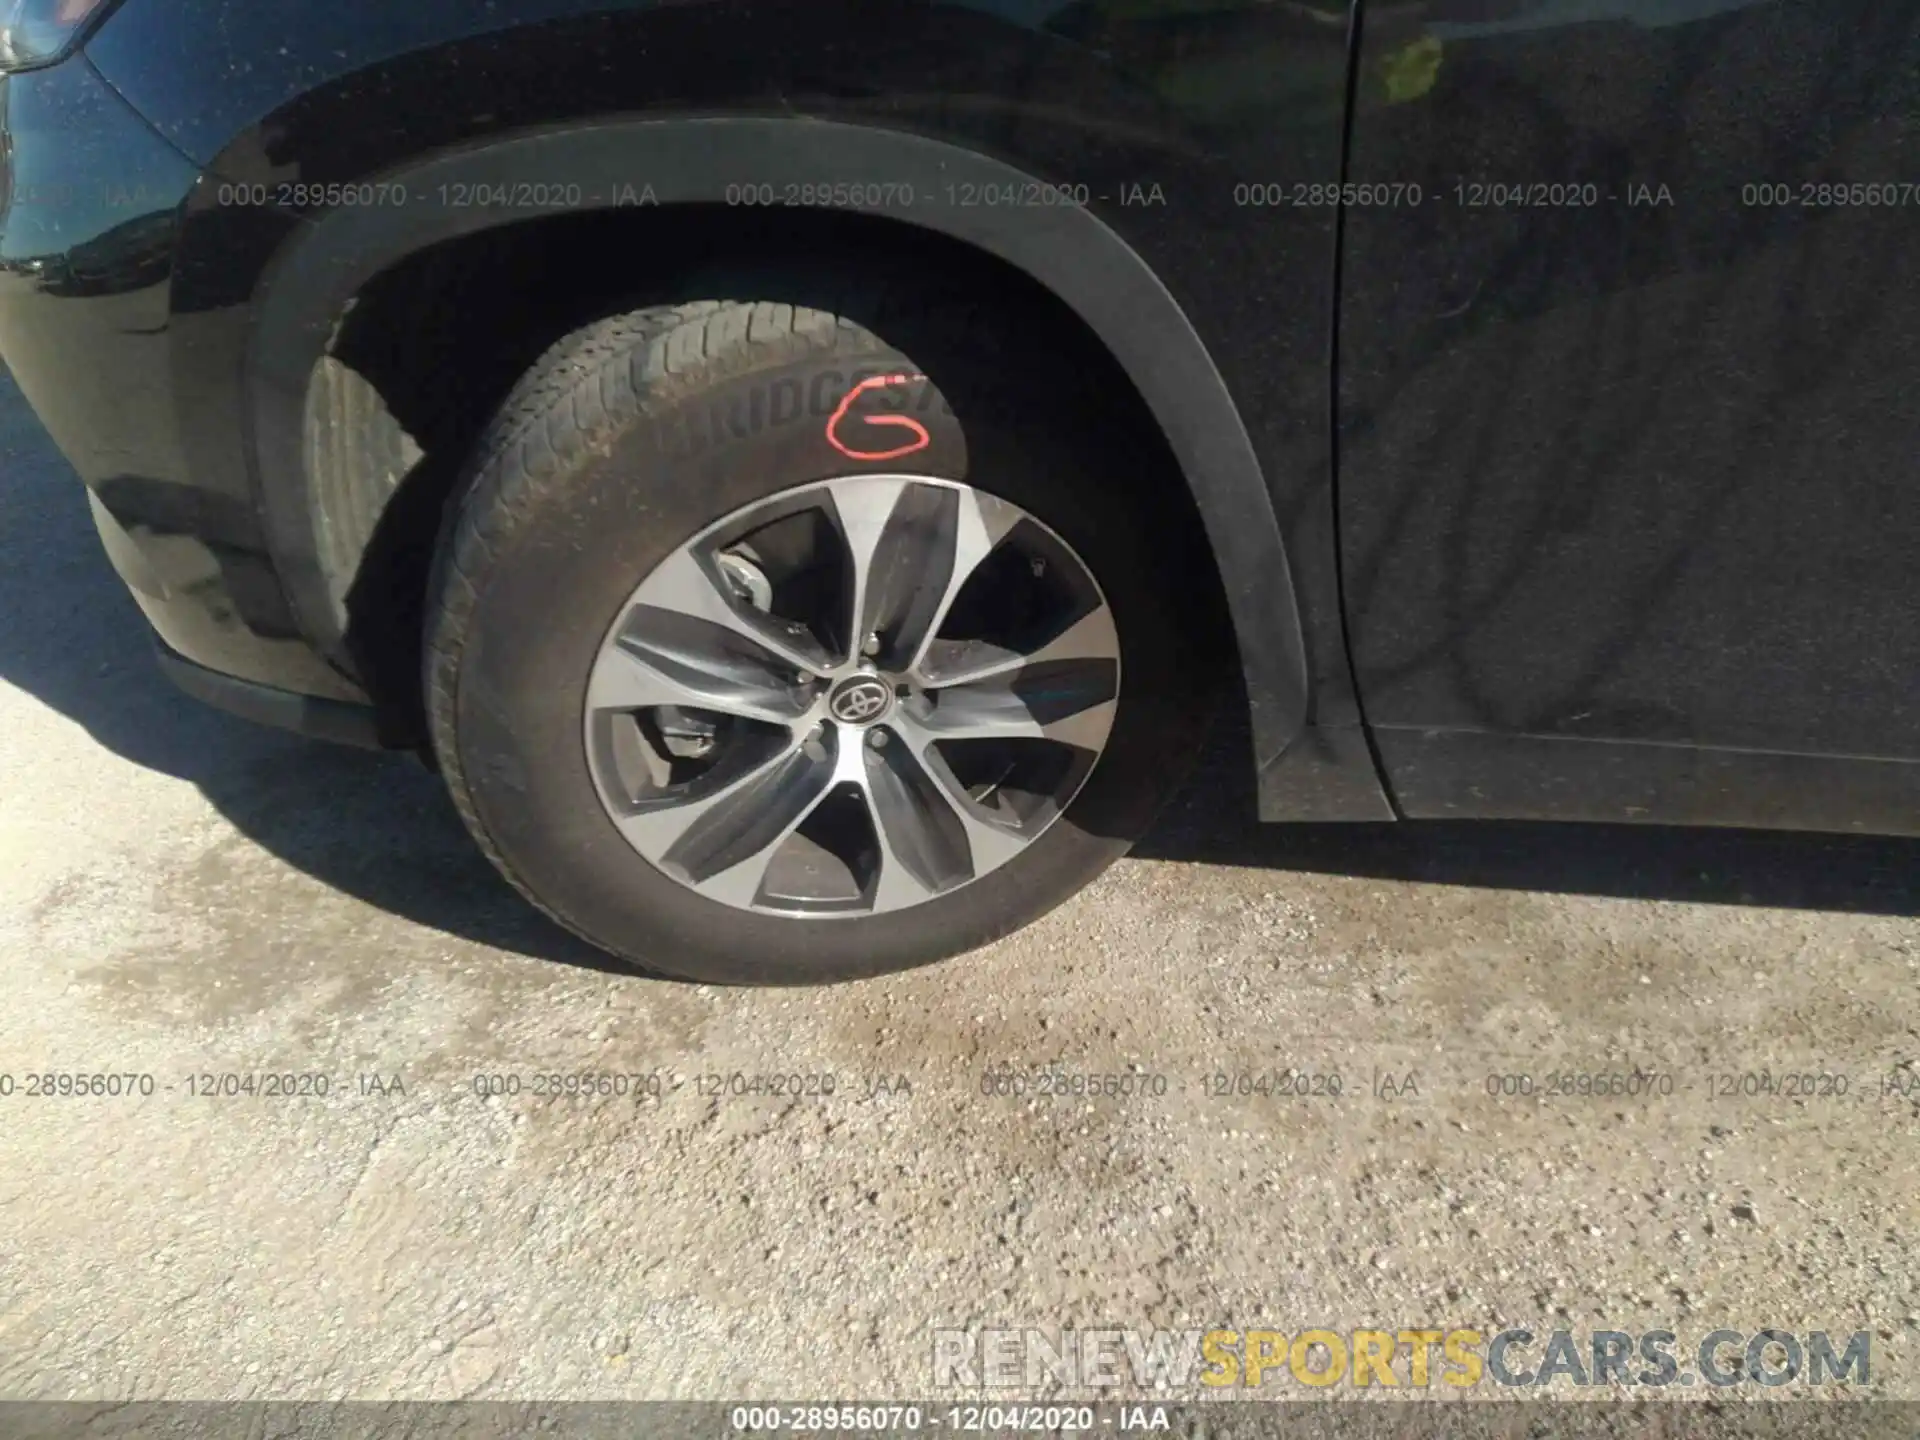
point(852, 697)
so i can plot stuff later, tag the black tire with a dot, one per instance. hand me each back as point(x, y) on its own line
point(633, 434)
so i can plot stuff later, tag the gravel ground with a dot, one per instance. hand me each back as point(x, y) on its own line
point(181, 894)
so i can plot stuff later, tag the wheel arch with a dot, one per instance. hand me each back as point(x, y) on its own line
point(1068, 250)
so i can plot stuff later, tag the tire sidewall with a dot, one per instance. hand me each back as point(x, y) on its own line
point(696, 449)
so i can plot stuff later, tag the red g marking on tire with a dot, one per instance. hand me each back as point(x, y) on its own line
point(921, 438)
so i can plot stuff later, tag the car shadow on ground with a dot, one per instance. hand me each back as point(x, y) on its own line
point(376, 827)
point(380, 828)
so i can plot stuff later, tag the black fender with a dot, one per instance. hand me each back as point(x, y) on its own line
point(1068, 249)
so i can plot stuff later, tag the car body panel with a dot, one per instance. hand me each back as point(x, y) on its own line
point(90, 323)
point(1627, 484)
point(686, 161)
point(1124, 98)
point(1623, 525)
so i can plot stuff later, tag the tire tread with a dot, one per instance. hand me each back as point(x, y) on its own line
point(581, 385)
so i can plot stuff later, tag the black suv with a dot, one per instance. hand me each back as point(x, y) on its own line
point(803, 471)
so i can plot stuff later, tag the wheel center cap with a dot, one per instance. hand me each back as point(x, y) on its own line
point(860, 700)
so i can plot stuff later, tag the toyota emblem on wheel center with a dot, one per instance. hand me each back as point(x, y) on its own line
point(860, 699)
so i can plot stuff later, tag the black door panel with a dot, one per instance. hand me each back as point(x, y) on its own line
point(1630, 401)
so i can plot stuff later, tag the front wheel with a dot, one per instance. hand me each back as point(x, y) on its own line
point(761, 651)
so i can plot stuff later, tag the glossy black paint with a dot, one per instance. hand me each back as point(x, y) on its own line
point(1636, 475)
point(92, 327)
point(1624, 522)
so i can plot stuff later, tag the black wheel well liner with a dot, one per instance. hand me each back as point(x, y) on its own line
point(1067, 250)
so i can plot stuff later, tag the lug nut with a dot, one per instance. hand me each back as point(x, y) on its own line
point(877, 739)
point(871, 645)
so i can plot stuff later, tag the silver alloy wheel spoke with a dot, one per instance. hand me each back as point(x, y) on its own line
point(987, 712)
point(902, 835)
point(911, 550)
point(930, 839)
point(655, 826)
point(980, 523)
point(991, 842)
point(633, 676)
point(684, 585)
point(741, 883)
point(722, 843)
point(856, 762)
point(864, 507)
point(1091, 636)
